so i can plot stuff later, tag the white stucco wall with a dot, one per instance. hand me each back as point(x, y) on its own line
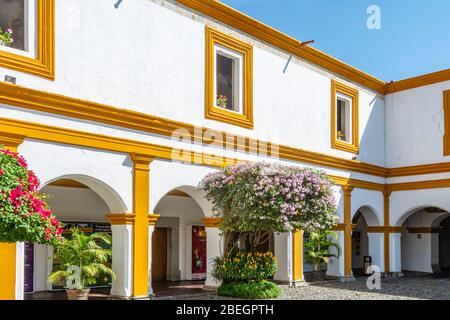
point(158, 72)
point(415, 126)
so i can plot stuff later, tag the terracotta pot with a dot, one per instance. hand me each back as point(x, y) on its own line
point(78, 294)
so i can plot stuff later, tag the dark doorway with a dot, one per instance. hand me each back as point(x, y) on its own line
point(159, 254)
point(444, 246)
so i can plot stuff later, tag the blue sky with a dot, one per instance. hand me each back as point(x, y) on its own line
point(414, 38)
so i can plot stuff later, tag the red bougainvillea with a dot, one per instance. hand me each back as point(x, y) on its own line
point(24, 215)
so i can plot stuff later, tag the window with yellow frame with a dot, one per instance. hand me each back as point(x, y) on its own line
point(447, 123)
point(229, 79)
point(27, 36)
point(344, 117)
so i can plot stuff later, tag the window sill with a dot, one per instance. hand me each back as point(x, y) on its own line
point(345, 146)
point(222, 115)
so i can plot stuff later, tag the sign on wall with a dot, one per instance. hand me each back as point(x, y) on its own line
point(198, 253)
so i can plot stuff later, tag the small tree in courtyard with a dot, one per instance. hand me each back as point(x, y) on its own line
point(255, 200)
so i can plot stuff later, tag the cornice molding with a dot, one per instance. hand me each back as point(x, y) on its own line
point(420, 81)
point(121, 219)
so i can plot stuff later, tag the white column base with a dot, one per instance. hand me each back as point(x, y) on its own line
point(151, 228)
point(395, 252)
point(213, 250)
point(336, 266)
point(283, 253)
point(376, 249)
point(122, 261)
point(20, 270)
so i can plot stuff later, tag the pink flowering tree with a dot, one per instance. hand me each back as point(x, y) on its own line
point(24, 215)
point(255, 200)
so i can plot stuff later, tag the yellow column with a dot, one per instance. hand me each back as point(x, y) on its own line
point(348, 231)
point(8, 250)
point(387, 256)
point(297, 256)
point(141, 207)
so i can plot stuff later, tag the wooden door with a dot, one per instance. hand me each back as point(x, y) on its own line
point(159, 254)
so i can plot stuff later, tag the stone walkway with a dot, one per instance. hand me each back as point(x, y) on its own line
point(406, 288)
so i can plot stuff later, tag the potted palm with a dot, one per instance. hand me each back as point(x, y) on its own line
point(82, 262)
point(318, 252)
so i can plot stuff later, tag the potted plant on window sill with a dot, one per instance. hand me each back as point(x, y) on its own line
point(341, 135)
point(82, 262)
point(222, 101)
point(6, 38)
point(318, 251)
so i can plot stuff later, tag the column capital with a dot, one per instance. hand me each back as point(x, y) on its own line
point(153, 218)
point(211, 222)
point(347, 190)
point(11, 141)
point(121, 219)
point(140, 159)
point(387, 194)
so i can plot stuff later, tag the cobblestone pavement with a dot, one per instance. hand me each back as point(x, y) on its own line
point(406, 288)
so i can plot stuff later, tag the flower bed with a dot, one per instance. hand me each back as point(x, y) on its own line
point(24, 215)
point(246, 267)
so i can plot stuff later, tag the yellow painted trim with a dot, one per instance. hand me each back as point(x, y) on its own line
point(419, 185)
point(103, 142)
point(141, 206)
point(420, 81)
point(212, 112)
point(67, 183)
point(447, 123)
point(419, 169)
point(7, 271)
point(211, 222)
point(254, 28)
point(43, 64)
point(69, 107)
point(297, 256)
point(121, 219)
point(74, 137)
point(423, 230)
point(383, 229)
point(337, 87)
point(348, 231)
point(11, 141)
point(341, 227)
point(355, 183)
point(153, 219)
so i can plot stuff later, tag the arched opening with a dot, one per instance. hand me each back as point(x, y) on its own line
point(364, 218)
point(179, 244)
point(423, 240)
point(76, 205)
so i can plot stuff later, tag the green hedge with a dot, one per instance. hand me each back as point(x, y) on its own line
point(250, 290)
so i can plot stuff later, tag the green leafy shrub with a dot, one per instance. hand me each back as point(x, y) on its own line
point(318, 249)
point(245, 267)
point(82, 251)
point(250, 290)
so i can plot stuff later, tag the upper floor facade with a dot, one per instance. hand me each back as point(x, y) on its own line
point(199, 63)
